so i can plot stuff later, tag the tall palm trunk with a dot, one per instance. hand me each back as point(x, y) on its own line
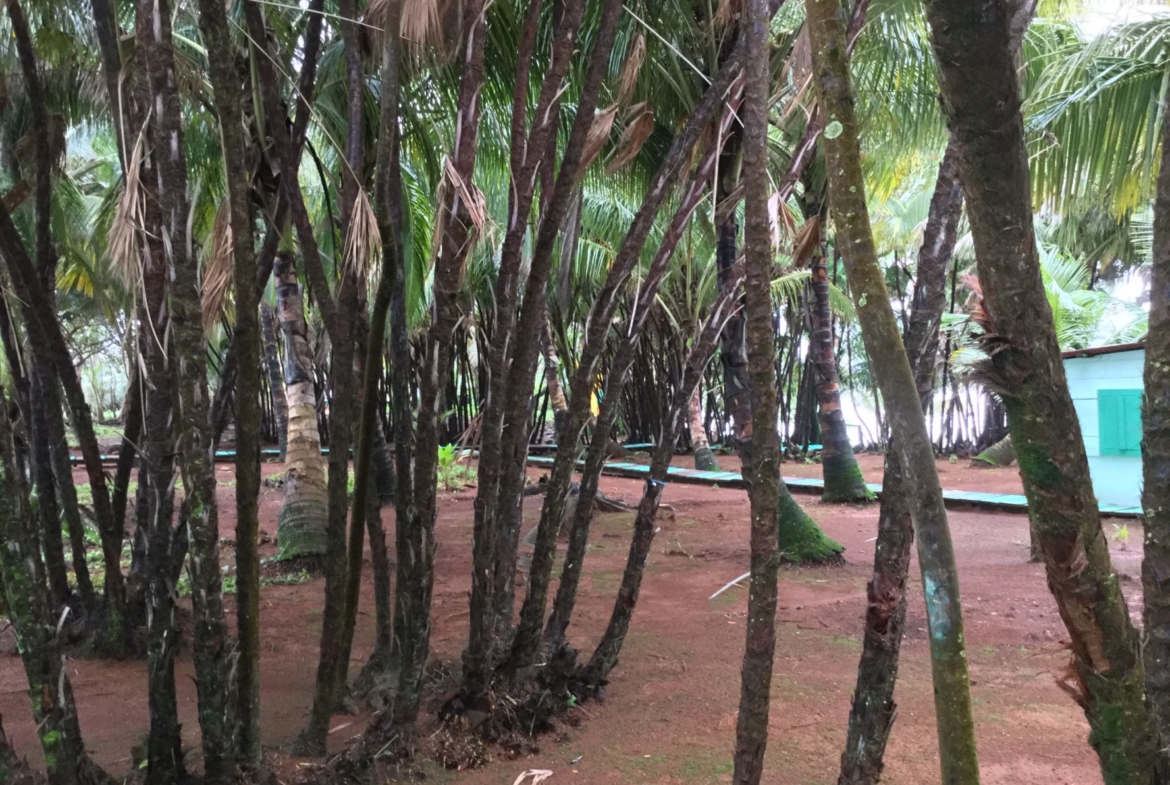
point(552, 378)
point(1156, 461)
point(894, 376)
point(275, 377)
point(700, 447)
point(759, 442)
point(190, 422)
point(842, 475)
point(1027, 369)
point(873, 711)
point(229, 99)
point(300, 528)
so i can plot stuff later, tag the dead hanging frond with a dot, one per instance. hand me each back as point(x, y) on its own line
point(637, 131)
point(217, 268)
point(363, 241)
point(628, 79)
point(598, 134)
point(728, 12)
point(458, 197)
point(805, 241)
point(423, 25)
point(122, 243)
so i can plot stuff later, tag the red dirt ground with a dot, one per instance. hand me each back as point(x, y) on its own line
point(669, 715)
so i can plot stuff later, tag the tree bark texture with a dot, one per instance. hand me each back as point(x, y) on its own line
point(229, 99)
point(300, 529)
point(871, 716)
point(275, 376)
point(842, 475)
point(1156, 460)
point(605, 656)
point(30, 610)
point(191, 419)
point(1027, 370)
point(762, 473)
point(700, 447)
point(528, 148)
point(630, 332)
point(896, 381)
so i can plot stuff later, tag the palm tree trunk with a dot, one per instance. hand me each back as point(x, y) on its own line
point(191, 420)
point(42, 471)
point(605, 657)
point(30, 610)
point(872, 714)
point(528, 633)
point(700, 447)
point(229, 100)
point(842, 475)
point(759, 442)
point(1026, 367)
point(552, 378)
point(900, 391)
point(1156, 462)
point(67, 496)
point(528, 148)
point(275, 378)
point(629, 336)
point(301, 523)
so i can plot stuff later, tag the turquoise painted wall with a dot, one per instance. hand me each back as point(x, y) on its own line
point(1117, 479)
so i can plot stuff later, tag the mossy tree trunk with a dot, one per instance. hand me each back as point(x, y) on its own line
point(896, 381)
point(30, 610)
point(872, 714)
point(527, 150)
point(1156, 461)
point(229, 100)
point(1027, 370)
point(525, 353)
point(191, 420)
point(759, 441)
point(843, 479)
point(300, 529)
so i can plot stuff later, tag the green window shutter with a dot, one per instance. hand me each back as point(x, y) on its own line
point(1119, 415)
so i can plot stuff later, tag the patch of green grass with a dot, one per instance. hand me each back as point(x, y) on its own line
point(704, 767)
point(844, 642)
point(644, 763)
point(100, 431)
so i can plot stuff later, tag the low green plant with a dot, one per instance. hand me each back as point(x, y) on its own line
point(453, 473)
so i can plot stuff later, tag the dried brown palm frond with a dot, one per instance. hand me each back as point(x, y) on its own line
point(728, 12)
point(217, 268)
point(806, 239)
point(122, 243)
point(424, 23)
point(598, 134)
point(628, 78)
point(454, 192)
point(363, 241)
point(637, 132)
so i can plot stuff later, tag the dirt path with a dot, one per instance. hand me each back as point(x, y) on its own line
point(669, 715)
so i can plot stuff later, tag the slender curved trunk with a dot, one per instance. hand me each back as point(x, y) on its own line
point(528, 148)
point(67, 495)
point(700, 447)
point(759, 441)
point(873, 710)
point(552, 378)
point(1156, 461)
point(1026, 367)
point(30, 610)
point(300, 528)
point(190, 418)
point(244, 738)
point(45, 483)
point(275, 377)
point(131, 433)
point(842, 475)
point(899, 389)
